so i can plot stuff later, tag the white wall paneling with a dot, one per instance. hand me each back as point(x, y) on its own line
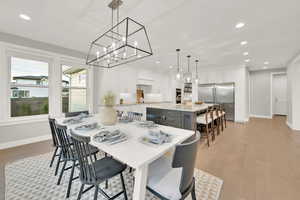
point(293, 83)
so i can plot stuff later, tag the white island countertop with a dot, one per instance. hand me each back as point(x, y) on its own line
point(181, 107)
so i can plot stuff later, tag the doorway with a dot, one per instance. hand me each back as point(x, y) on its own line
point(279, 94)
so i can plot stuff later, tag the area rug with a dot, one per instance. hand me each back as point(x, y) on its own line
point(32, 179)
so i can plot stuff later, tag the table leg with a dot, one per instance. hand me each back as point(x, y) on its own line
point(140, 183)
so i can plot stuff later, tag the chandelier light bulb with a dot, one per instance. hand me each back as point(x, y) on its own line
point(188, 79)
point(98, 54)
point(113, 45)
point(124, 39)
point(135, 43)
point(104, 49)
point(178, 76)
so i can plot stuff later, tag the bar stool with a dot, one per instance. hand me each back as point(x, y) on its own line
point(223, 117)
point(206, 121)
point(217, 118)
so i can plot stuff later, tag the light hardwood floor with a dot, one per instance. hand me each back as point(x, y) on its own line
point(259, 160)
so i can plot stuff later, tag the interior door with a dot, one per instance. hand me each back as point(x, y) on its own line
point(279, 94)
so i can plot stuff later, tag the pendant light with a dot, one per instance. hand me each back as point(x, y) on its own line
point(188, 74)
point(178, 70)
point(126, 41)
point(196, 79)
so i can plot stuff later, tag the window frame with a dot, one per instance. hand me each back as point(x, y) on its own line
point(88, 86)
point(28, 56)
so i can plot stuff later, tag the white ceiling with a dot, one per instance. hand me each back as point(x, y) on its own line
point(203, 28)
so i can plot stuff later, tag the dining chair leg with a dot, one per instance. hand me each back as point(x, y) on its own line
point(53, 156)
point(193, 193)
point(106, 184)
point(61, 172)
point(80, 191)
point(123, 185)
point(225, 121)
point(96, 192)
point(70, 180)
point(58, 163)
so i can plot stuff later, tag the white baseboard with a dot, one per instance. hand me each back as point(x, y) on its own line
point(289, 125)
point(23, 142)
point(261, 116)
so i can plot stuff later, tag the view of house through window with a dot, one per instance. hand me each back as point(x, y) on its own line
point(74, 89)
point(29, 87)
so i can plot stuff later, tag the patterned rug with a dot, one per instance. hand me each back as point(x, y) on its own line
point(32, 179)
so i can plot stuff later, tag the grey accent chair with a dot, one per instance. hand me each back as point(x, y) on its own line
point(69, 155)
point(55, 141)
point(93, 171)
point(174, 179)
point(74, 114)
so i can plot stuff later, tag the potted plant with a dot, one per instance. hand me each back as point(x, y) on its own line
point(108, 114)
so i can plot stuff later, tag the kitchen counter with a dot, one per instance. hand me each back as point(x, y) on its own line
point(181, 107)
point(175, 115)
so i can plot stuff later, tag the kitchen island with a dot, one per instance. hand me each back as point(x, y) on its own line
point(175, 115)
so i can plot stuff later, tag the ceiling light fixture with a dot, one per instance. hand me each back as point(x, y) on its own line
point(197, 78)
point(245, 53)
point(244, 43)
point(126, 41)
point(171, 67)
point(266, 63)
point(178, 70)
point(188, 74)
point(157, 62)
point(247, 60)
point(25, 17)
point(239, 25)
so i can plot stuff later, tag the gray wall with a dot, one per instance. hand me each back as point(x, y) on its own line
point(12, 133)
point(260, 92)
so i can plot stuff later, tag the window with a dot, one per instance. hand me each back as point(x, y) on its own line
point(29, 87)
point(74, 89)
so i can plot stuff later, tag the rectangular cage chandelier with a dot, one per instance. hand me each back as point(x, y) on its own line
point(125, 42)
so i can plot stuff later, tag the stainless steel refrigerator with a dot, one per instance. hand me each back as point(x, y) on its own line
point(221, 93)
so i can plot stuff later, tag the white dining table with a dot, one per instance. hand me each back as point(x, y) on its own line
point(132, 151)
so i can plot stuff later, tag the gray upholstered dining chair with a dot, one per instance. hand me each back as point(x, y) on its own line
point(93, 171)
point(56, 144)
point(69, 155)
point(174, 179)
point(74, 114)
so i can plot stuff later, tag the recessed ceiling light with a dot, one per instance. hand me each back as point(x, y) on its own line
point(25, 17)
point(244, 43)
point(247, 60)
point(266, 62)
point(265, 67)
point(157, 62)
point(245, 53)
point(170, 66)
point(239, 25)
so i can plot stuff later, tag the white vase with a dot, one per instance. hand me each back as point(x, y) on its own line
point(108, 116)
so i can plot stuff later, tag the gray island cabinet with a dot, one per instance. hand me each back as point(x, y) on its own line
point(179, 116)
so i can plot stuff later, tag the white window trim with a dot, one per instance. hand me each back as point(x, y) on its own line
point(55, 61)
point(89, 83)
point(25, 55)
